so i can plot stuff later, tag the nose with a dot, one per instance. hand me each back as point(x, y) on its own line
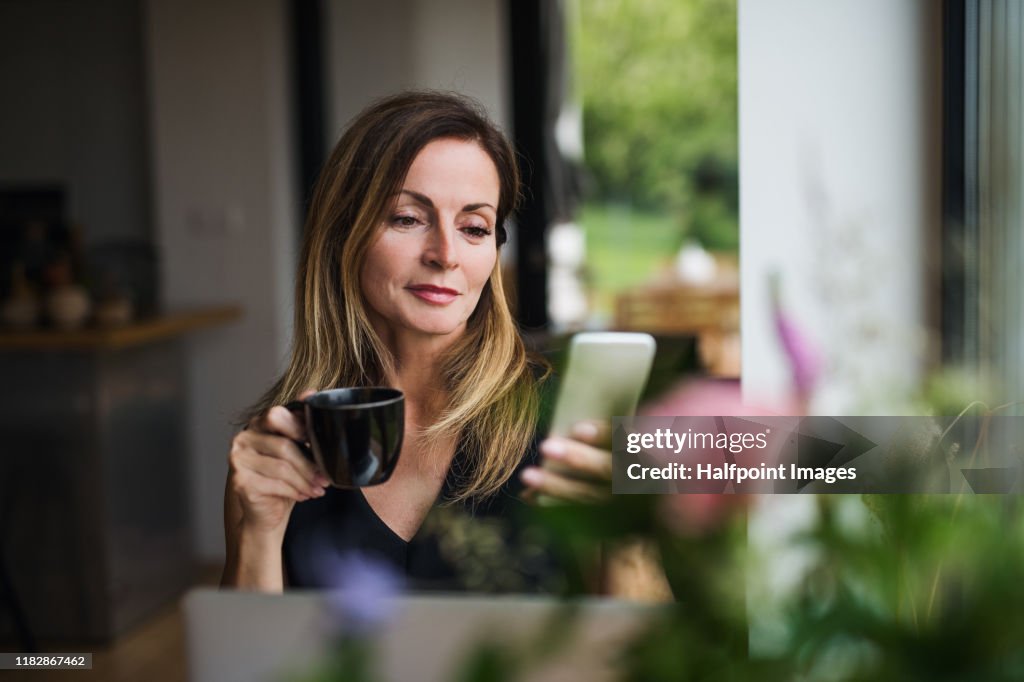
point(439, 250)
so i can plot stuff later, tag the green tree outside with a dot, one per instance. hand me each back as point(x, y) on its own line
point(658, 80)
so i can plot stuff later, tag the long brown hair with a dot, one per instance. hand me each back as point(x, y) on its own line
point(491, 383)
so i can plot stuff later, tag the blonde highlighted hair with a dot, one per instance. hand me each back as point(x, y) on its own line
point(491, 383)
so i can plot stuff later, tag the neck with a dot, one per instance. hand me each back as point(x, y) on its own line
point(417, 369)
point(417, 374)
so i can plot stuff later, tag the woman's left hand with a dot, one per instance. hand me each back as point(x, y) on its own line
point(575, 469)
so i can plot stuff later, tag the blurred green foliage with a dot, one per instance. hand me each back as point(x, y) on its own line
point(930, 590)
point(922, 588)
point(623, 247)
point(658, 80)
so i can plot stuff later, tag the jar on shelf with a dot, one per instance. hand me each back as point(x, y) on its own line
point(21, 310)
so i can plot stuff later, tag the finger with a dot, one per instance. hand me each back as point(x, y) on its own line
point(594, 432)
point(251, 485)
point(528, 495)
point(545, 482)
point(281, 420)
point(286, 458)
point(249, 464)
point(584, 459)
point(261, 422)
point(282, 446)
point(272, 467)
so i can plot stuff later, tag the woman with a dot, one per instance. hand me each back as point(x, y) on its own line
point(400, 285)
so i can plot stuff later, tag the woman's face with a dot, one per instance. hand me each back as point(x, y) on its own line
point(436, 249)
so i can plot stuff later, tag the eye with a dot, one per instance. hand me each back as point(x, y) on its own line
point(476, 231)
point(405, 221)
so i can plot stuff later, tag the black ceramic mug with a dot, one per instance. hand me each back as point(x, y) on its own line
point(355, 434)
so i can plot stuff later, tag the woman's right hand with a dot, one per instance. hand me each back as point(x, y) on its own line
point(268, 474)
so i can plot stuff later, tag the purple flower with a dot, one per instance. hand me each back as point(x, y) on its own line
point(804, 360)
point(362, 593)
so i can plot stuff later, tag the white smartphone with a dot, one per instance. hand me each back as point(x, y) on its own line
point(606, 374)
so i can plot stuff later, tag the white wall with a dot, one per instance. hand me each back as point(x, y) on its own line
point(839, 189)
point(840, 194)
point(225, 210)
point(462, 45)
point(378, 48)
point(74, 109)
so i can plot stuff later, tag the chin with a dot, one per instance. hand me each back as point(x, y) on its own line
point(440, 330)
point(437, 327)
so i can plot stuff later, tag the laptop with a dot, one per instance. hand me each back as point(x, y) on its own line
point(251, 636)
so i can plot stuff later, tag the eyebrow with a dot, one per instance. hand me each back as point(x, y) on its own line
point(425, 200)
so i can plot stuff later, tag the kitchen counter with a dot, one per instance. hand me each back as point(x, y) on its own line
point(94, 476)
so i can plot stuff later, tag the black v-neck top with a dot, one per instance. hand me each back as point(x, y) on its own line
point(456, 548)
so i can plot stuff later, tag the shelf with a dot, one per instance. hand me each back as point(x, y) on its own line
point(136, 333)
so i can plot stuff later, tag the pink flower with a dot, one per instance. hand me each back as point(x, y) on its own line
point(697, 514)
point(713, 398)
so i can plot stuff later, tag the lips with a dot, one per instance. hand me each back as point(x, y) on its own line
point(433, 294)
